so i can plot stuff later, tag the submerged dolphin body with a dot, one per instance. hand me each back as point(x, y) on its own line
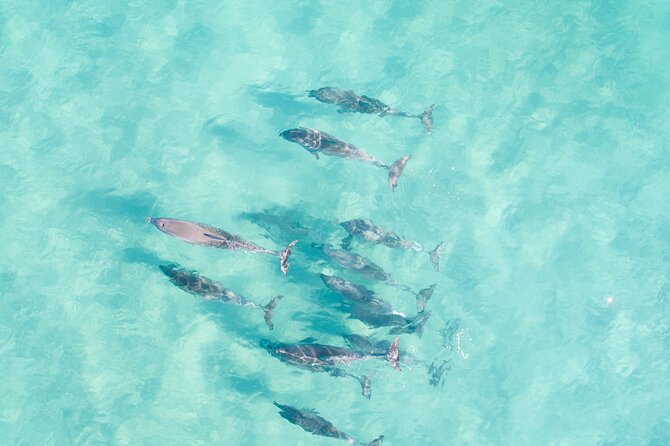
point(350, 102)
point(374, 311)
point(309, 355)
point(192, 282)
point(316, 141)
point(310, 421)
point(371, 271)
point(370, 232)
point(200, 234)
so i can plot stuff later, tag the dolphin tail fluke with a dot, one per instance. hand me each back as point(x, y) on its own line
point(392, 354)
point(377, 441)
point(427, 119)
point(365, 386)
point(284, 255)
point(423, 296)
point(267, 311)
point(395, 170)
point(414, 325)
point(435, 255)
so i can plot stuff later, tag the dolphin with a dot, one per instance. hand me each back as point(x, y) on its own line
point(192, 282)
point(310, 421)
point(371, 271)
point(316, 141)
point(374, 311)
point(309, 355)
point(350, 102)
point(200, 234)
point(370, 232)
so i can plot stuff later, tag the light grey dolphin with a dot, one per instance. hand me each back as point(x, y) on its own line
point(316, 141)
point(200, 234)
point(350, 102)
point(310, 421)
point(370, 232)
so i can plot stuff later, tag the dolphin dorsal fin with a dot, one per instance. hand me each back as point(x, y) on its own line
point(215, 237)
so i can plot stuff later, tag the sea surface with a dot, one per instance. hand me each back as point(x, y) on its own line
point(546, 175)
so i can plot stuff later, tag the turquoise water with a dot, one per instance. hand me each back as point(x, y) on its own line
point(546, 175)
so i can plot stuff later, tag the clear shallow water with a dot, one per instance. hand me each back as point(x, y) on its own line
point(546, 175)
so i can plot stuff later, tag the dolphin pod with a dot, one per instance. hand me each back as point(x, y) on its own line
point(362, 304)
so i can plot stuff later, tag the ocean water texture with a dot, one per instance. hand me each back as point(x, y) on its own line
point(546, 175)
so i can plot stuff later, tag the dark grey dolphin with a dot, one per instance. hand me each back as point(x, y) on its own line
point(309, 355)
point(350, 102)
point(315, 142)
point(310, 421)
point(370, 232)
point(371, 271)
point(374, 311)
point(192, 282)
point(199, 234)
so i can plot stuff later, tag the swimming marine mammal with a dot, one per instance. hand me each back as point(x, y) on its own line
point(350, 102)
point(200, 234)
point(370, 232)
point(310, 421)
point(371, 271)
point(194, 283)
point(309, 355)
point(374, 311)
point(316, 141)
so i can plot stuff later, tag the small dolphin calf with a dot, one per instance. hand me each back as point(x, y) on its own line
point(192, 282)
point(311, 422)
point(370, 232)
point(350, 102)
point(199, 234)
point(374, 311)
point(309, 355)
point(315, 142)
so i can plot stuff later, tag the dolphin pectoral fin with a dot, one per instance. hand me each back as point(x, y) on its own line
point(284, 255)
point(395, 170)
point(267, 311)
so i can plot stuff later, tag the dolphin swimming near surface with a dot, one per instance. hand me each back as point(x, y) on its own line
point(309, 355)
point(370, 232)
point(310, 421)
point(350, 102)
point(374, 311)
point(315, 142)
point(371, 271)
point(200, 234)
point(192, 282)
